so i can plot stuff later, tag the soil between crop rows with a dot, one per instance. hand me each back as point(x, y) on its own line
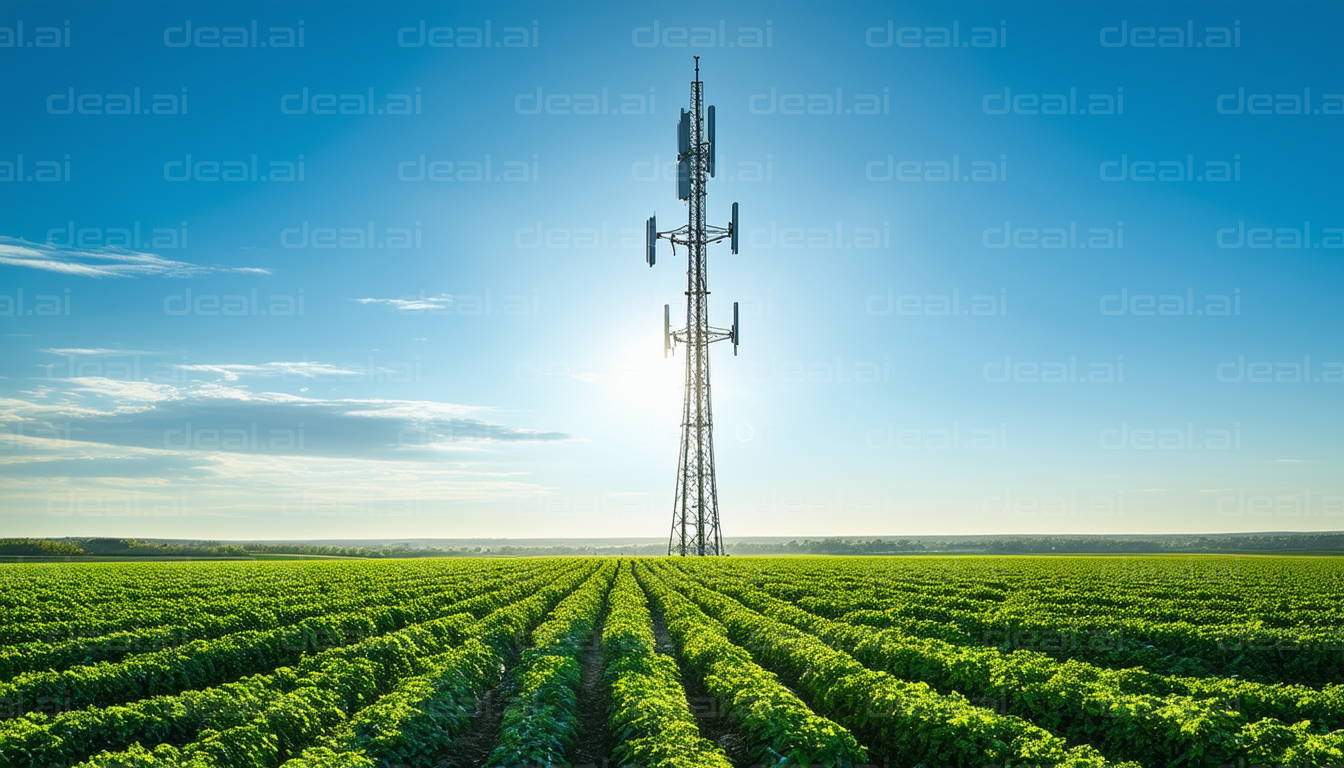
point(710, 713)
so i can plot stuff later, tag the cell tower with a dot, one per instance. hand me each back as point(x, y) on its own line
point(695, 512)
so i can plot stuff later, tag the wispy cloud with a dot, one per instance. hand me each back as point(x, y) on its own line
point(287, 370)
point(66, 477)
point(210, 416)
point(109, 261)
point(93, 352)
point(414, 304)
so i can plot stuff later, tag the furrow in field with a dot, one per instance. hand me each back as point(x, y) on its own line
point(778, 726)
point(650, 719)
point(541, 724)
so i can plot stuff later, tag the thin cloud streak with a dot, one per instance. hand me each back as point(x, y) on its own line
point(292, 369)
point(418, 304)
point(108, 261)
point(212, 417)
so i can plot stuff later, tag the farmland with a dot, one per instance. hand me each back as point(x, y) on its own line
point(723, 662)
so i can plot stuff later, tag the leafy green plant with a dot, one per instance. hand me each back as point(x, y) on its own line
point(781, 728)
point(650, 719)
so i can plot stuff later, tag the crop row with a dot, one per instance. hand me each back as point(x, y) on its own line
point(1276, 592)
point(180, 719)
point(101, 598)
point(424, 715)
point(1082, 703)
point(202, 663)
point(1253, 699)
point(779, 727)
point(649, 717)
point(541, 724)
point(851, 662)
point(1309, 655)
point(1279, 593)
point(215, 609)
point(907, 722)
point(321, 622)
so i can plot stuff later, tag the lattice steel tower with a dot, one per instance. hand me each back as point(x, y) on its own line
point(695, 513)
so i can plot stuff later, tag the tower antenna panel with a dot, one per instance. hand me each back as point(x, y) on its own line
point(710, 130)
point(732, 229)
point(651, 240)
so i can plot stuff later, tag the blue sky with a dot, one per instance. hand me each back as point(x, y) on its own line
point(1006, 268)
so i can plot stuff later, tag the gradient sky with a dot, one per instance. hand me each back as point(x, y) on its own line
point(481, 355)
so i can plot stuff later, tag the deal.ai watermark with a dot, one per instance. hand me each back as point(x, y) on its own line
point(71, 236)
point(1278, 237)
point(468, 304)
point(583, 238)
point(939, 304)
point(729, 168)
point(367, 236)
point(1054, 503)
point(476, 36)
point(836, 371)
point(41, 170)
point(830, 103)
point(1256, 503)
point(1055, 372)
point(936, 170)
point(947, 36)
point(234, 304)
point(468, 170)
point(68, 102)
point(1280, 371)
point(188, 169)
point(600, 101)
point(365, 102)
point(704, 36)
point(955, 438)
point(18, 304)
point(1125, 169)
point(248, 437)
point(820, 238)
point(1279, 103)
point(1180, 438)
point(1009, 236)
point(1053, 103)
point(1171, 304)
point(237, 36)
point(1147, 36)
point(15, 35)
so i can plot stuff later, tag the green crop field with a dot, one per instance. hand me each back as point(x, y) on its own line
point(661, 663)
